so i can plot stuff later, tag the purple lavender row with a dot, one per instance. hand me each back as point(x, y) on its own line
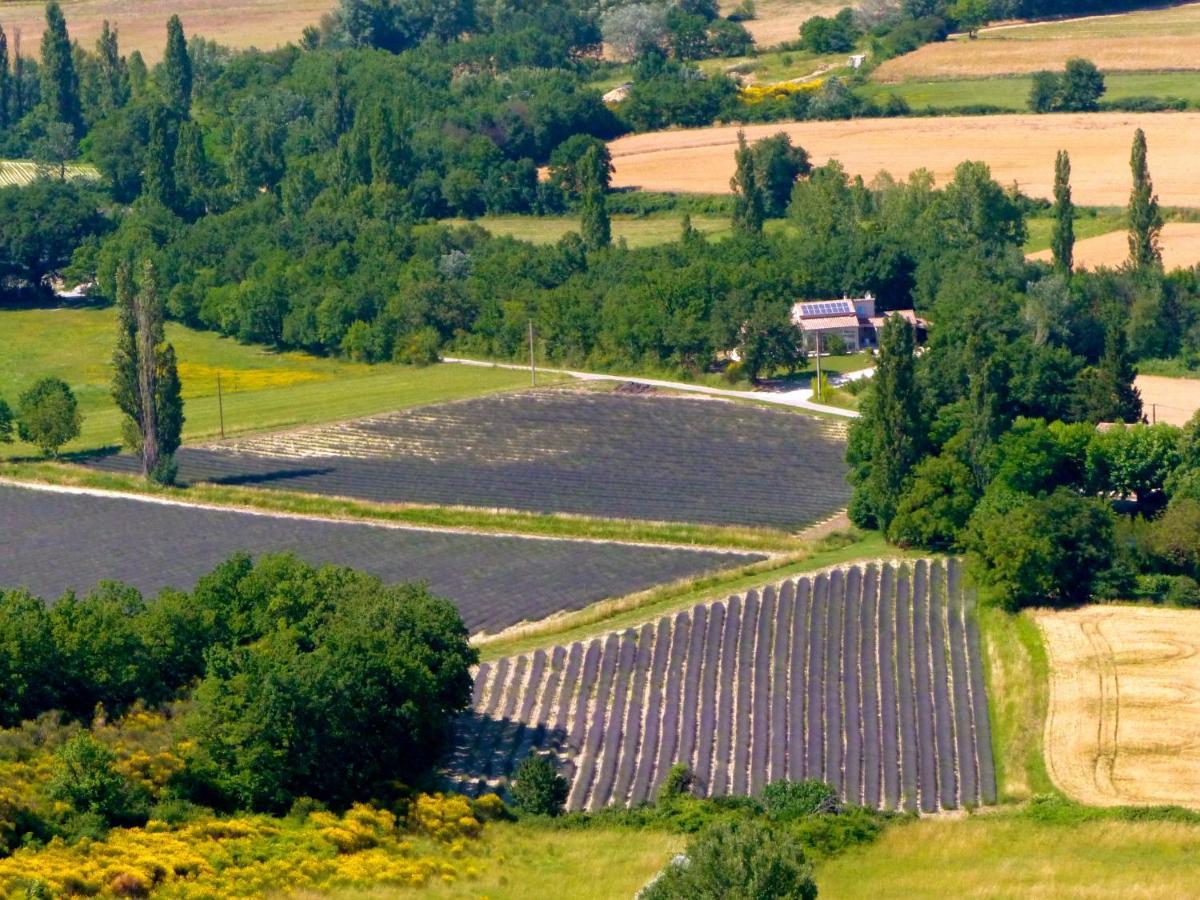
point(964, 733)
point(742, 704)
point(709, 661)
point(609, 749)
point(910, 764)
point(834, 724)
point(797, 762)
point(851, 692)
point(527, 728)
point(631, 738)
point(654, 709)
point(943, 708)
point(590, 729)
point(760, 720)
point(872, 730)
point(680, 642)
point(979, 705)
point(719, 778)
point(814, 710)
point(927, 762)
point(781, 653)
point(889, 685)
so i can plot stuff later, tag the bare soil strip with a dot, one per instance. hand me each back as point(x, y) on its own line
point(1170, 400)
point(1124, 705)
point(1019, 148)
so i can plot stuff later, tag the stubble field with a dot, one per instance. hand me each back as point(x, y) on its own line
point(1147, 40)
point(1124, 705)
point(52, 542)
point(776, 21)
point(1019, 148)
point(143, 25)
point(1180, 248)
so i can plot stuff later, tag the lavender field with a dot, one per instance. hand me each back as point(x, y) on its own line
point(869, 678)
point(611, 455)
point(55, 542)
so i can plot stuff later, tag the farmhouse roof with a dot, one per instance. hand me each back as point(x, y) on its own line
point(820, 323)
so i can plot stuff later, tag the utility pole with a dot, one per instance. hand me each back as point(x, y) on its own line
point(818, 334)
point(220, 406)
point(532, 366)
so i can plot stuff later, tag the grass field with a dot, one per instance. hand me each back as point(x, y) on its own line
point(1124, 704)
point(1019, 148)
point(637, 231)
point(1147, 40)
point(262, 390)
point(1012, 93)
point(143, 25)
point(1088, 224)
point(1020, 854)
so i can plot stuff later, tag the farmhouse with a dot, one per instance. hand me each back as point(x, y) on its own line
point(852, 320)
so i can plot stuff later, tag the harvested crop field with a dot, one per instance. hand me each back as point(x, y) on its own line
point(1124, 705)
point(1019, 148)
point(612, 455)
point(777, 21)
point(1170, 400)
point(51, 542)
point(1147, 40)
point(1180, 248)
point(868, 678)
point(143, 25)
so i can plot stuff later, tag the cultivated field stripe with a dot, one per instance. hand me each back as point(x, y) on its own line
point(760, 720)
point(798, 683)
point(852, 701)
point(651, 740)
point(743, 735)
point(631, 736)
point(889, 687)
point(691, 716)
point(926, 743)
point(964, 735)
point(943, 706)
point(905, 677)
point(869, 667)
point(726, 692)
point(596, 716)
point(609, 751)
point(781, 652)
point(834, 714)
point(814, 712)
point(682, 635)
point(979, 706)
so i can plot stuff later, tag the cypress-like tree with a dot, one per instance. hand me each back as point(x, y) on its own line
point(595, 224)
point(6, 97)
point(158, 174)
point(1145, 218)
point(192, 172)
point(146, 386)
point(749, 210)
point(114, 72)
point(177, 70)
point(137, 73)
point(1117, 377)
point(60, 81)
point(887, 442)
point(1062, 240)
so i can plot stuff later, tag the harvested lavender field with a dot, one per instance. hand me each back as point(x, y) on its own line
point(869, 678)
point(52, 542)
point(610, 455)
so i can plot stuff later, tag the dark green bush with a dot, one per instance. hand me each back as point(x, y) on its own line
point(537, 788)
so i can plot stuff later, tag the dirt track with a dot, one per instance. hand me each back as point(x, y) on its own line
point(1019, 148)
point(1124, 705)
point(1180, 248)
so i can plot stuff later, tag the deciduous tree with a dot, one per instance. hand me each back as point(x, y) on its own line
point(60, 81)
point(1062, 239)
point(748, 206)
point(48, 415)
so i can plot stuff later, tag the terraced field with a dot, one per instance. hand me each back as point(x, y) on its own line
point(869, 678)
point(612, 455)
point(53, 542)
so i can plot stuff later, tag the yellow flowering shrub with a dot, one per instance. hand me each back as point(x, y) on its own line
point(781, 90)
point(444, 817)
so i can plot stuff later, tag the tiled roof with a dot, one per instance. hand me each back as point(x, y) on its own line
point(824, 322)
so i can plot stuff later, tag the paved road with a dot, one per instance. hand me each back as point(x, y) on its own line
point(798, 398)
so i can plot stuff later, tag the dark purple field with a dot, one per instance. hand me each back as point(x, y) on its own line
point(607, 455)
point(868, 678)
point(54, 542)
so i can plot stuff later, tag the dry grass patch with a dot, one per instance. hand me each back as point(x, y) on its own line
point(143, 25)
point(1124, 705)
point(1019, 148)
point(777, 21)
point(1180, 248)
point(1138, 41)
point(1171, 400)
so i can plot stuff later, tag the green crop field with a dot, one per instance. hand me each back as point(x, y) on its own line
point(637, 231)
point(1088, 224)
point(262, 390)
point(1012, 93)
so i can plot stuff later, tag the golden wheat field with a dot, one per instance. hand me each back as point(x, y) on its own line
point(1180, 248)
point(237, 23)
point(1149, 40)
point(1170, 400)
point(776, 21)
point(1124, 704)
point(1019, 148)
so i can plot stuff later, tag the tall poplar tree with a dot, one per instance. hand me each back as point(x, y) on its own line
point(749, 209)
point(146, 386)
point(1062, 240)
point(1145, 218)
point(177, 70)
point(595, 224)
point(6, 94)
point(889, 438)
point(60, 81)
point(113, 70)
